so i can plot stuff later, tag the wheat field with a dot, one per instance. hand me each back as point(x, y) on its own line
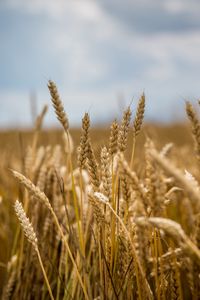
point(101, 214)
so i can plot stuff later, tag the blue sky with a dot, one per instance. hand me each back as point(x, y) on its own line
point(102, 54)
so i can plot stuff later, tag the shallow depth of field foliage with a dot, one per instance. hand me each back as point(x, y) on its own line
point(119, 220)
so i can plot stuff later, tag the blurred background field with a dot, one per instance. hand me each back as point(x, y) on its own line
point(14, 142)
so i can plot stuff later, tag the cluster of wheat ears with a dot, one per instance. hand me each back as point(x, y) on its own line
point(97, 229)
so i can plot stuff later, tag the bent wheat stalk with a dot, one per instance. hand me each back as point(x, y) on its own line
point(35, 191)
point(175, 231)
point(169, 168)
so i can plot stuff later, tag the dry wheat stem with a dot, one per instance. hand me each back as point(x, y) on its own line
point(40, 195)
point(102, 198)
point(174, 230)
point(177, 174)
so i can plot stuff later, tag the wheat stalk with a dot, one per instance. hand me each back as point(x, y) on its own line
point(174, 230)
point(31, 237)
point(177, 174)
point(103, 199)
point(35, 191)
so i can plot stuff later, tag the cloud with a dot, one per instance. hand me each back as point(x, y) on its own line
point(86, 10)
point(96, 50)
point(149, 16)
point(141, 15)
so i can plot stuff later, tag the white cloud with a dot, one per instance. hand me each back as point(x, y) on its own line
point(161, 49)
point(87, 10)
point(167, 51)
point(81, 30)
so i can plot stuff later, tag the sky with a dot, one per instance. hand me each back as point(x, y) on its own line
point(102, 54)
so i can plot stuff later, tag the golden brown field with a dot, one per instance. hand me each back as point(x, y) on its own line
point(112, 213)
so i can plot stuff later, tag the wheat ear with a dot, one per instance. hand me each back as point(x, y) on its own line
point(139, 116)
point(40, 118)
point(35, 191)
point(137, 124)
point(114, 131)
point(174, 230)
point(31, 237)
point(123, 131)
point(195, 127)
point(169, 168)
point(58, 106)
point(83, 147)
